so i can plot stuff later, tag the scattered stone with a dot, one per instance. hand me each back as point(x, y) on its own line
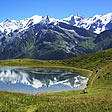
point(98, 77)
point(83, 92)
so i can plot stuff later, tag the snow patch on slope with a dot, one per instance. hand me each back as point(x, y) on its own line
point(96, 23)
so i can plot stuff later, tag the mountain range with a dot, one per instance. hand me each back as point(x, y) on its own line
point(47, 38)
point(96, 24)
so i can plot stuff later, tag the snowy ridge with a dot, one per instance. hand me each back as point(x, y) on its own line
point(9, 26)
point(97, 23)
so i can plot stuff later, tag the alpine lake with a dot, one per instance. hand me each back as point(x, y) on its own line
point(38, 80)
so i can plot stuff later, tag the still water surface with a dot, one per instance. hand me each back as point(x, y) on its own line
point(34, 81)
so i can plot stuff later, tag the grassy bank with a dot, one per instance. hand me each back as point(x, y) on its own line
point(97, 99)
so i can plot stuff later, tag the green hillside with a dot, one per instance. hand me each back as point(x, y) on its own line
point(97, 97)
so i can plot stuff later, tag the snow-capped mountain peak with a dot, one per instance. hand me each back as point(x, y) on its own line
point(36, 19)
point(97, 23)
point(9, 26)
point(74, 20)
point(33, 20)
point(47, 17)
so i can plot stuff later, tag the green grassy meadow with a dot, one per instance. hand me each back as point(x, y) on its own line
point(98, 96)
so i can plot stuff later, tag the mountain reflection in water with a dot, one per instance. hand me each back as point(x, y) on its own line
point(32, 81)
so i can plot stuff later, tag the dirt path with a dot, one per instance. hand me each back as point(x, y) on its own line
point(93, 78)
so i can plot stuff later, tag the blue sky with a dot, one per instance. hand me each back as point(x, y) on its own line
point(20, 9)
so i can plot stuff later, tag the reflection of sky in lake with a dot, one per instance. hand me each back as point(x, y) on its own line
point(32, 81)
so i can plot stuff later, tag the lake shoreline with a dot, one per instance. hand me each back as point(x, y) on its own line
point(54, 68)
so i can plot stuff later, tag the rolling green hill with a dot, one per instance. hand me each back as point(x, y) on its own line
point(98, 96)
point(104, 40)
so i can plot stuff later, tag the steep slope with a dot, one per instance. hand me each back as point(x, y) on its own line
point(104, 40)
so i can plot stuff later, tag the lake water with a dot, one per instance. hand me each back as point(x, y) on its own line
point(34, 81)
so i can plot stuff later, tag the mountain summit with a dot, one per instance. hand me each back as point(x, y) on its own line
point(47, 38)
point(97, 23)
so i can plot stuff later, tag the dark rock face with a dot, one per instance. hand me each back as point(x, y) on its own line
point(46, 42)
